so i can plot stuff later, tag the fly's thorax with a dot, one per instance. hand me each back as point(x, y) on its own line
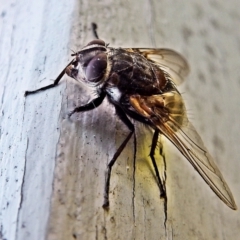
point(91, 64)
point(133, 74)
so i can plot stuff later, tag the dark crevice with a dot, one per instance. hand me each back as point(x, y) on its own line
point(22, 186)
point(104, 226)
point(23, 118)
point(52, 195)
point(134, 174)
point(96, 232)
point(105, 233)
point(164, 184)
point(145, 220)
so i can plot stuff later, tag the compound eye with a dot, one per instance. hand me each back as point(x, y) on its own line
point(96, 68)
point(97, 42)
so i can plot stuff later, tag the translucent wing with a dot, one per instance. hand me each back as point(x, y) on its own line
point(167, 113)
point(168, 60)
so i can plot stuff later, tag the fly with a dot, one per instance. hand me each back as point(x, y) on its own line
point(141, 83)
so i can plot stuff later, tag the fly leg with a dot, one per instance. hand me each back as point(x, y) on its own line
point(54, 84)
point(89, 106)
point(152, 151)
point(94, 29)
point(130, 126)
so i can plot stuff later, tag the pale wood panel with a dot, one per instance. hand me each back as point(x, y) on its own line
point(33, 49)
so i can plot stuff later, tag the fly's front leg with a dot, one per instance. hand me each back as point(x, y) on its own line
point(89, 106)
point(152, 151)
point(54, 84)
point(121, 114)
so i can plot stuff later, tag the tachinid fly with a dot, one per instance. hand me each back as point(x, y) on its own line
point(141, 85)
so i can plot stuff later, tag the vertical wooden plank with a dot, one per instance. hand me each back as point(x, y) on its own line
point(33, 49)
point(205, 33)
point(133, 194)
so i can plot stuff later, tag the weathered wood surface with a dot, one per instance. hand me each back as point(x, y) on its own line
point(52, 168)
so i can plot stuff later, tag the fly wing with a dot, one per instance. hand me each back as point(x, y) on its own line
point(168, 60)
point(189, 143)
point(167, 113)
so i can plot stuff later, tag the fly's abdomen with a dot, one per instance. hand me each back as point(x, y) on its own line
point(175, 106)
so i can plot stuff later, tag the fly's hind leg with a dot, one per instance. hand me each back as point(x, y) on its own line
point(130, 126)
point(152, 151)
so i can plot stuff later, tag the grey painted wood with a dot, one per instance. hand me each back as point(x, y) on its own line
point(34, 47)
point(52, 168)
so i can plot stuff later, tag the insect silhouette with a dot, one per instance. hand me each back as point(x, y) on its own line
point(141, 83)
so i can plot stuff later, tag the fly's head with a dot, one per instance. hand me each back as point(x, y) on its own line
point(90, 64)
